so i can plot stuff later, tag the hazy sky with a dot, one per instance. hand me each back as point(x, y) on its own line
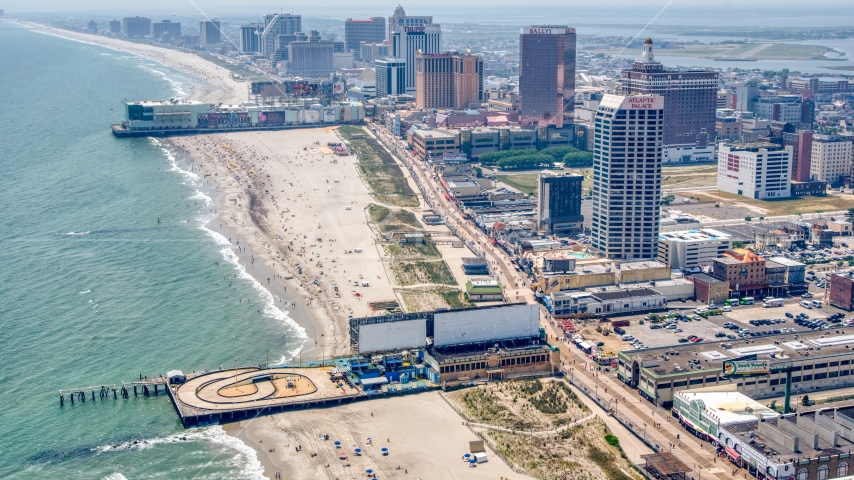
point(715, 12)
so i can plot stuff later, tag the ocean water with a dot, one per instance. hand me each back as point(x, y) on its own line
point(94, 289)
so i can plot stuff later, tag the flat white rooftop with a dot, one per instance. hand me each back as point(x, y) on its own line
point(714, 355)
point(756, 350)
point(795, 345)
point(833, 341)
point(730, 406)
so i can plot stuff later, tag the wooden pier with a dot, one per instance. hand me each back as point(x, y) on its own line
point(232, 395)
point(146, 387)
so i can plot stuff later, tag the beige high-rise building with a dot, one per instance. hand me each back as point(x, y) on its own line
point(446, 80)
point(830, 159)
point(468, 79)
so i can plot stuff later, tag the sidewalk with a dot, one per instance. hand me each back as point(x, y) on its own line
point(642, 417)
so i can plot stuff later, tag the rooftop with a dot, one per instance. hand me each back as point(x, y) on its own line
point(615, 295)
point(694, 235)
point(755, 146)
point(641, 265)
point(779, 452)
point(787, 262)
point(729, 406)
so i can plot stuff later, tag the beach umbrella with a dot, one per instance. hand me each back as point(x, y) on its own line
point(472, 461)
point(467, 455)
point(384, 449)
point(358, 450)
point(337, 443)
point(369, 471)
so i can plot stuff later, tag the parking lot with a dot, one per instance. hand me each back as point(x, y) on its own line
point(708, 328)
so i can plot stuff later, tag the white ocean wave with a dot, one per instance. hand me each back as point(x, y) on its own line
point(244, 458)
point(75, 233)
point(199, 195)
point(115, 476)
point(174, 84)
point(270, 308)
point(85, 292)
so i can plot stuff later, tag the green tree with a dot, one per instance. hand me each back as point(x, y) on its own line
point(738, 244)
point(667, 200)
point(578, 159)
point(527, 161)
point(748, 219)
point(478, 172)
point(558, 152)
point(491, 158)
point(850, 214)
point(805, 401)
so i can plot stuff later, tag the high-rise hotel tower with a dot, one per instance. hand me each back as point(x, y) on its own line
point(547, 75)
point(627, 176)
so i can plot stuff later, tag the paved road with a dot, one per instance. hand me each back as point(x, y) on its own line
point(515, 283)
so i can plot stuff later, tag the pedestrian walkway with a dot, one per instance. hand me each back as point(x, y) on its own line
point(646, 420)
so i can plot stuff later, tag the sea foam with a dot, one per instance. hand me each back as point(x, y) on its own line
point(270, 309)
point(244, 458)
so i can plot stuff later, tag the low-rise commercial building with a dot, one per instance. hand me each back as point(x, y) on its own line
point(794, 275)
point(811, 445)
point(606, 301)
point(819, 361)
point(692, 248)
point(745, 272)
point(526, 360)
point(705, 411)
point(484, 290)
point(433, 142)
point(708, 289)
point(586, 275)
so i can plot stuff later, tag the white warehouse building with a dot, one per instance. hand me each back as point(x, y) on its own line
point(755, 170)
point(692, 248)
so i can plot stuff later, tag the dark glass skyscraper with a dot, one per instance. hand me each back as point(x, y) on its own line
point(547, 75)
point(559, 204)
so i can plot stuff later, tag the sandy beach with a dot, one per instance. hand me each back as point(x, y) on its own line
point(219, 86)
point(296, 212)
point(425, 439)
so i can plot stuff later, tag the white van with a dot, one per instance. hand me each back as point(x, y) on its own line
point(806, 304)
point(817, 303)
point(628, 338)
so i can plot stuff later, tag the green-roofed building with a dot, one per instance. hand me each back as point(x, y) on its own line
point(484, 290)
